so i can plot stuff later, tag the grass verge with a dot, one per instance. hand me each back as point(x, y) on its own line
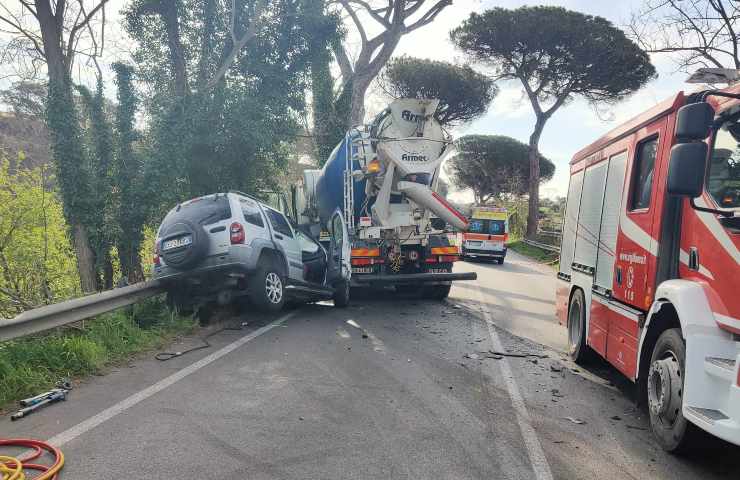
point(535, 253)
point(31, 365)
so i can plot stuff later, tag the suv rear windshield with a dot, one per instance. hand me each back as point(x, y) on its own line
point(486, 227)
point(202, 211)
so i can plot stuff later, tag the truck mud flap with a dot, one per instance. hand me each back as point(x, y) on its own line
point(413, 278)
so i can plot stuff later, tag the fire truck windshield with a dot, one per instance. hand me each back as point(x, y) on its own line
point(723, 180)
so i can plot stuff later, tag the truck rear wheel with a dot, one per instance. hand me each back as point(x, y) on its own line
point(437, 292)
point(579, 351)
point(665, 394)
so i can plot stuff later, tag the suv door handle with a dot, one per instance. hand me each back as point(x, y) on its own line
point(278, 236)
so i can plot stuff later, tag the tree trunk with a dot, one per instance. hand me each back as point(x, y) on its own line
point(130, 259)
point(360, 85)
point(168, 10)
point(66, 141)
point(107, 272)
point(85, 259)
point(534, 177)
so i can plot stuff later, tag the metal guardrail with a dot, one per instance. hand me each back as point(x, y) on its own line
point(70, 311)
point(543, 246)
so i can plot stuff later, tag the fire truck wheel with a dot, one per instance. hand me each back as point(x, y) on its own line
point(665, 394)
point(577, 348)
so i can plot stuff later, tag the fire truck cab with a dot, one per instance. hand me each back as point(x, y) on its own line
point(649, 275)
point(486, 235)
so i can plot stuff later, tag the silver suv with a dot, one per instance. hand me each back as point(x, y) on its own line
point(225, 245)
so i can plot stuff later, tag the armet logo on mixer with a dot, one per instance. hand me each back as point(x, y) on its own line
point(413, 158)
point(411, 117)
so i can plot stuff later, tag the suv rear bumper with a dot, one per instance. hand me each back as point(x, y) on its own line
point(215, 270)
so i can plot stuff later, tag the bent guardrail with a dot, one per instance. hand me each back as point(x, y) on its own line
point(70, 311)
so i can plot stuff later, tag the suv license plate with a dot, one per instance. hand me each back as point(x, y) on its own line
point(362, 269)
point(177, 242)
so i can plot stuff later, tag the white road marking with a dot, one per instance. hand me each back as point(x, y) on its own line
point(378, 344)
point(534, 449)
point(343, 333)
point(92, 422)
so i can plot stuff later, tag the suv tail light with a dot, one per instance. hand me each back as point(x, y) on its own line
point(236, 232)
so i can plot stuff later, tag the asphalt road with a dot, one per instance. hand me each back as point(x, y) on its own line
point(393, 387)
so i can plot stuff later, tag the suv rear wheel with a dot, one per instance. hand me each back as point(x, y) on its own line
point(267, 289)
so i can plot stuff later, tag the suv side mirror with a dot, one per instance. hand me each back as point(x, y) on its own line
point(694, 121)
point(686, 169)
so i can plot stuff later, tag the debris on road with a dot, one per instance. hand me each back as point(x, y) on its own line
point(42, 400)
point(555, 368)
point(577, 421)
point(556, 393)
point(517, 355)
point(635, 427)
point(615, 417)
point(472, 356)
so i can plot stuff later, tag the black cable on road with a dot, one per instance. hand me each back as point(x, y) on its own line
point(164, 356)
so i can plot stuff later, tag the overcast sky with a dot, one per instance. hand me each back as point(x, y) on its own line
point(570, 129)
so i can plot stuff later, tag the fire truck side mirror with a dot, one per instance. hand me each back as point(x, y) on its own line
point(694, 121)
point(686, 169)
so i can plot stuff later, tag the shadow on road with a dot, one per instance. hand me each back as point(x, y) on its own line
point(508, 267)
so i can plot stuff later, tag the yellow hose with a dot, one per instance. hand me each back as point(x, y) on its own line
point(11, 473)
point(12, 468)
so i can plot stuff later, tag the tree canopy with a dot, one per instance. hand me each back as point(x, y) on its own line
point(556, 55)
point(225, 83)
point(699, 33)
point(464, 94)
point(494, 165)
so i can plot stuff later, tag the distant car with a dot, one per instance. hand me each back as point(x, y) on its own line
point(225, 245)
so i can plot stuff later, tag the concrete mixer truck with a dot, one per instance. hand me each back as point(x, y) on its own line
point(382, 178)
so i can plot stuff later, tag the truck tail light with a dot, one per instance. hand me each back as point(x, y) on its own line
point(374, 166)
point(442, 259)
point(452, 250)
point(236, 232)
point(365, 252)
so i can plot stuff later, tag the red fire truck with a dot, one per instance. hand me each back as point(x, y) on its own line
point(649, 274)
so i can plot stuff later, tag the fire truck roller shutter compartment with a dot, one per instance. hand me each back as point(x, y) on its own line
point(610, 220)
point(572, 208)
point(587, 233)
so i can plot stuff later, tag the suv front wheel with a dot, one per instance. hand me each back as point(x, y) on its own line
point(268, 288)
